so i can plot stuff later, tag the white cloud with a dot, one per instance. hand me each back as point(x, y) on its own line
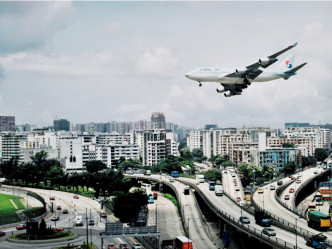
point(29, 25)
point(131, 108)
point(60, 64)
point(160, 62)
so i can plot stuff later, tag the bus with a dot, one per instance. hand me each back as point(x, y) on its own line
point(146, 187)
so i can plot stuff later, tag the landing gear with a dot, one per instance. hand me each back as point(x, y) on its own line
point(199, 83)
point(247, 82)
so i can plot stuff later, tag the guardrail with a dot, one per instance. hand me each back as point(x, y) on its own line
point(258, 234)
point(286, 225)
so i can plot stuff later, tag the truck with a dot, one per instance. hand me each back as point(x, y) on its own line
point(79, 220)
point(200, 178)
point(175, 174)
point(262, 218)
point(218, 190)
point(318, 220)
point(182, 242)
point(316, 241)
point(186, 190)
point(212, 185)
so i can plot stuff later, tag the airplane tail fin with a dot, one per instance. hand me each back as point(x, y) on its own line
point(287, 63)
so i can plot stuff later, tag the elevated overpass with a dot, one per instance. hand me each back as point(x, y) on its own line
point(229, 211)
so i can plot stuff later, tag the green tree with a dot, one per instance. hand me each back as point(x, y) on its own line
point(9, 169)
point(42, 227)
point(95, 166)
point(288, 145)
point(308, 161)
point(212, 175)
point(321, 154)
point(186, 154)
point(183, 144)
point(227, 164)
point(289, 168)
point(127, 205)
point(197, 154)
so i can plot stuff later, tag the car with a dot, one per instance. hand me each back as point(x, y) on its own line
point(298, 181)
point(269, 231)
point(137, 246)
point(55, 218)
point(244, 220)
point(124, 246)
point(112, 246)
point(21, 226)
point(76, 197)
point(65, 211)
point(286, 197)
point(260, 191)
point(2, 233)
point(56, 229)
point(237, 189)
point(58, 207)
point(52, 198)
point(279, 182)
point(103, 215)
point(171, 179)
point(292, 177)
point(91, 222)
point(291, 190)
point(315, 172)
point(238, 198)
point(272, 187)
point(233, 175)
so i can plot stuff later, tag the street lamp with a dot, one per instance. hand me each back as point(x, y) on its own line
point(296, 233)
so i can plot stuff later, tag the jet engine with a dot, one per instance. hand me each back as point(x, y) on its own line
point(221, 90)
point(265, 62)
point(241, 70)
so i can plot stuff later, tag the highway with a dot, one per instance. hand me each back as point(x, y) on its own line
point(273, 206)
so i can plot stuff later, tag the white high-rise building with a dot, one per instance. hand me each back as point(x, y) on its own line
point(156, 145)
point(321, 137)
point(70, 154)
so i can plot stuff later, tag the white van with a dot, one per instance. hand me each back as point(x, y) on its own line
point(79, 221)
point(200, 178)
point(218, 190)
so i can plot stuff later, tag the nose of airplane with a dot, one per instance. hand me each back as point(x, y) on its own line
point(188, 75)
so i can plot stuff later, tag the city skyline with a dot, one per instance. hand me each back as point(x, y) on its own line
point(100, 61)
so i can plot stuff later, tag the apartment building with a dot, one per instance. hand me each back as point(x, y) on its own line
point(321, 137)
point(156, 145)
point(12, 144)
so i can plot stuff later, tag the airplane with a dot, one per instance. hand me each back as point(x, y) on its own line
point(234, 81)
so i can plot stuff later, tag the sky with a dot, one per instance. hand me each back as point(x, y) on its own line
point(121, 61)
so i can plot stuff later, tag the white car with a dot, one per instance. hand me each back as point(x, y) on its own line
point(137, 246)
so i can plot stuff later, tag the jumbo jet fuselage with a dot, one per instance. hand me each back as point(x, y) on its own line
point(218, 75)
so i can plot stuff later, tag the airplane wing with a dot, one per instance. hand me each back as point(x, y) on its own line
point(252, 71)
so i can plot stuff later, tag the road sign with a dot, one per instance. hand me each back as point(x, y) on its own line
point(325, 184)
point(118, 228)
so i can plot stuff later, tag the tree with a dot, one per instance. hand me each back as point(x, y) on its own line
point(321, 154)
point(289, 168)
point(287, 145)
point(95, 166)
point(127, 205)
point(183, 144)
point(227, 164)
point(212, 175)
point(197, 154)
point(308, 161)
point(42, 227)
point(9, 168)
point(186, 154)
